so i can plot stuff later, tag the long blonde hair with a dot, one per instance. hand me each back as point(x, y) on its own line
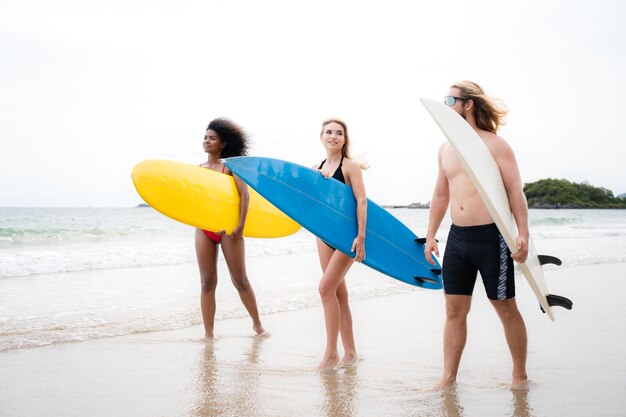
point(488, 114)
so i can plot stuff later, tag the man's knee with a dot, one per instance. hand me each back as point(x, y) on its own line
point(458, 309)
point(507, 309)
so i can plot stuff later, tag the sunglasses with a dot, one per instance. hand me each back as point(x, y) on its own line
point(451, 100)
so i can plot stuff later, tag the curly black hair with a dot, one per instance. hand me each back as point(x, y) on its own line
point(232, 135)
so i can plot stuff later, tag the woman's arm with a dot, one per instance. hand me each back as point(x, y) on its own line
point(244, 203)
point(355, 177)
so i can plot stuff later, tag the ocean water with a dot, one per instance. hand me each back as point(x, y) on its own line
point(72, 274)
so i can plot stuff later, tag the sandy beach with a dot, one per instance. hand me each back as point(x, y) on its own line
point(575, 364)
point(100, 292)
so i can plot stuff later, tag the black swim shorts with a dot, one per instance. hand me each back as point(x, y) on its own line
point(475, 249)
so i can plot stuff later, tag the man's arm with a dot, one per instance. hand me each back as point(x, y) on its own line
point(509, 170)
point(438, 207)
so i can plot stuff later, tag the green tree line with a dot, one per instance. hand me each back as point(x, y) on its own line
point(553, 193)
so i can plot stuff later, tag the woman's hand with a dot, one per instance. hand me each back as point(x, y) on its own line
point(324, 173)
point(358, 246)
point(237, 232)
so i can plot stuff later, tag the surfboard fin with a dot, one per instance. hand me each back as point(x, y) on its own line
point(558, 301)
point(547, 259)
point(422, 240)
point(423, 280)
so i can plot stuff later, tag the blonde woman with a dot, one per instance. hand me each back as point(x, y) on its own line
point(333, 289)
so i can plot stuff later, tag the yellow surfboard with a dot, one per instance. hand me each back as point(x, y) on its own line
point(206, 199)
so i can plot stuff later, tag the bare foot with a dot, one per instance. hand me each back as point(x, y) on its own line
point(258, 329)
point(519, 382)
point(444, 383)
point(519, 379)
point(349, 359)
point(208, 335)
point(329, 363)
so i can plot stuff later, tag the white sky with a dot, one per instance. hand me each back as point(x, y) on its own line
point(89, 88)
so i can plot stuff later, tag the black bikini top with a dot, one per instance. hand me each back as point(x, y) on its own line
point(338, 174)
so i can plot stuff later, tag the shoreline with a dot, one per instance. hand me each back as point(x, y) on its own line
point(533, 207)
point(176, 373)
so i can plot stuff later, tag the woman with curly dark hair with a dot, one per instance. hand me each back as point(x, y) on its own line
point(223, 139)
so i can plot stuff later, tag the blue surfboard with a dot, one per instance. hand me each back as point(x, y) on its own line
point(327, 208)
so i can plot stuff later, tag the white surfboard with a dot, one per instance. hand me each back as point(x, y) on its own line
point(485, 174)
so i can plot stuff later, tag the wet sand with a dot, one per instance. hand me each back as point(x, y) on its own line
point(576, 364)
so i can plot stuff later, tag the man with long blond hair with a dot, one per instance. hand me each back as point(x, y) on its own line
point(474, 243)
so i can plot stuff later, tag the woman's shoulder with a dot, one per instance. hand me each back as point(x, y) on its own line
point(354, 164)
point(318, 165)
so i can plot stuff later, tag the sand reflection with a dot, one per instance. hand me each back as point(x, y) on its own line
point(450, 402)
point(451, 406)
point(521, 407)
point(340, 389)
point(227, 388)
